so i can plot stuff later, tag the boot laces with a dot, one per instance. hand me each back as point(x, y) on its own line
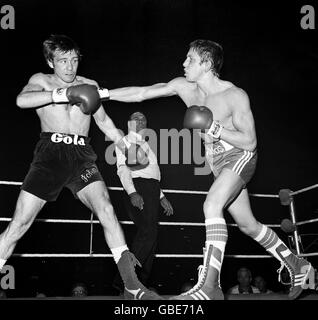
point(290, 271)
point(202, 273)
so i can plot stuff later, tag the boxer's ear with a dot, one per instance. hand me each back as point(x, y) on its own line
point(50, 64)
point(208, 66)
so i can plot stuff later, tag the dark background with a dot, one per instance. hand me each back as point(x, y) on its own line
point(142, 42)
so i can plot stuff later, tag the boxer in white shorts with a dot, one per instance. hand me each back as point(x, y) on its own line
point(222, 110)
point(221, 155)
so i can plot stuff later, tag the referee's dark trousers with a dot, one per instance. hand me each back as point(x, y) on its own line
point(146, 221)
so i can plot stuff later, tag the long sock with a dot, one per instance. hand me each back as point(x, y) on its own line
point(270, 241)
point(216, 235)
point(118, 251)
point(2, 263)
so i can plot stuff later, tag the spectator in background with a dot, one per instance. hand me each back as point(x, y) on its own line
point(261, 284)
point(244, 286)
point(40, 294)
point(3, 294)
point(79, 289)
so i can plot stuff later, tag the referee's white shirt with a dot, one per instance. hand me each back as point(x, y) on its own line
point(126, 175)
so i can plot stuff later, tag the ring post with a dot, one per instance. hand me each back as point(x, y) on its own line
point(286, 199)
point(91, 234)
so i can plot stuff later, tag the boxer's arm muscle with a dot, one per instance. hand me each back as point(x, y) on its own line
point(138, 94)
point(106, 125)
point(34, 95)
point(244, 136)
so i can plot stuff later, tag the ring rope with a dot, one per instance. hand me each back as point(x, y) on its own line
point(306, 222)
point(190, 191)
point(164, 190)
point(304, 189)
point(109, 255)
point(163, 223)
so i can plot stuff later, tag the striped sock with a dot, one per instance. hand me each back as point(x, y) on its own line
point(2, 263)
point(270, 241)
point(216, 235)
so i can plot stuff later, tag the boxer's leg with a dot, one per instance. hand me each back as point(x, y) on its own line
point(96, 198)
point(225, 188)
point(299, 269)
point(27, 208)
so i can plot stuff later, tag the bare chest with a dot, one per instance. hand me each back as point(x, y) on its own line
point(217, 103)
point(61, 111)
point(64, 118)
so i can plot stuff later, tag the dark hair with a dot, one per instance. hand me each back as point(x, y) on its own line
point(248, 271)
point(59, 42)
point(80, 284)
point(209, 51)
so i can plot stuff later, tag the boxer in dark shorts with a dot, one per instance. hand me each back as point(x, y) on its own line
point(66, 103)
point(61, 160)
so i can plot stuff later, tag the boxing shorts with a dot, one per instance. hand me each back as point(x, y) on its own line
point(222, 155)
point(61, 160)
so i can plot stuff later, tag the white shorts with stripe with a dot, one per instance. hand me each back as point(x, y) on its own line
point(221, 155)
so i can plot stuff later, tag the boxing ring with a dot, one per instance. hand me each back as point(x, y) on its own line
point(290, 226)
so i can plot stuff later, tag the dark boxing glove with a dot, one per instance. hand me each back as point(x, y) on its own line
point(201, 117)
point(85, 96)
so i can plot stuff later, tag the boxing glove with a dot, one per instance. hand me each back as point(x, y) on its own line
point(85, 96)
point(201, 117)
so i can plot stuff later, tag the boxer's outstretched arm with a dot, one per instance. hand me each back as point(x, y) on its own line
point(138, 94)
point(33, 95)
point(107, 126)
point(244, 135)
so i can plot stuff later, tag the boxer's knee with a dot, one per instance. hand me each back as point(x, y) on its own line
point(213, 207)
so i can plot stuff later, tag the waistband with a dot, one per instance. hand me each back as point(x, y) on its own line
point(221, 147)
point(217, 147)
point(65, 138)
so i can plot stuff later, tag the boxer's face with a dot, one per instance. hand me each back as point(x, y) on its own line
point(193, 69)
point(65, 65)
